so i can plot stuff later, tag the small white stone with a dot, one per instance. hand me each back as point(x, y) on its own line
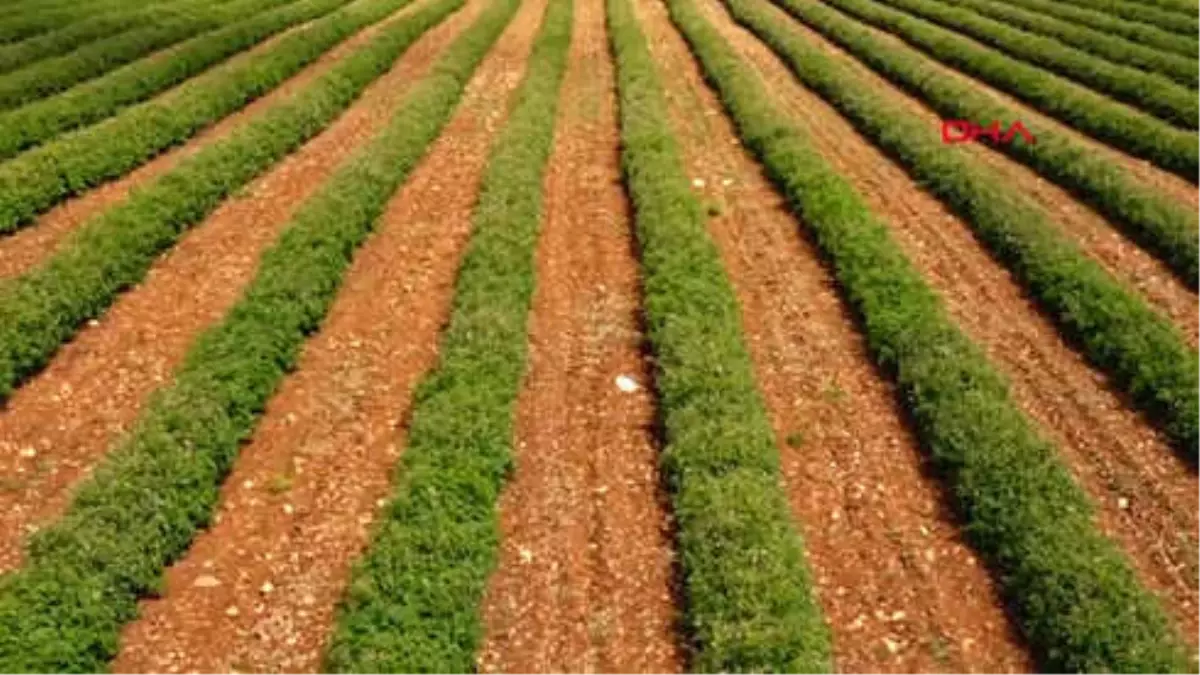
point(231, 611)
point(698, 182)
point(1122, 503)
point(206, 581)
point(289, 509)
point(267, 587)
point(29, 453)
point(627, 384)
point(526, 556)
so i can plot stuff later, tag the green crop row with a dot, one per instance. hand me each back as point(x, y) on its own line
point(1075, 596)
point(42, 18)
point(1183, 70)
point(70, 37)
point(1154, 221)
point(1177, 20)
point(47, 175)
point(93, 101)
point(1148, 92)
point(1184, 45)
point(1140, 350)
point(113, 250)
point(413, 602)
point(750, 604)
point(1138, 134)
point(50, 76)
point(139, 511)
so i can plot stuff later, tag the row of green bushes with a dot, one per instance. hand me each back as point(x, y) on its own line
point(1134, 132)
point(50, 76)
point(45, 176)
point(1075, 597)
point(113, 250)
point(1141, 351)
point(92, 101)
point(1150, 36)
point(413, 602)
point(749, 600)
point(72, 36)
point(41, 18)
point(1155, 221)
point(1148, 92)
point(1182, 69)
point(1176, 19)
point(62, 612)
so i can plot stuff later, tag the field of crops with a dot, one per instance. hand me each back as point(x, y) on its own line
point(599, 335)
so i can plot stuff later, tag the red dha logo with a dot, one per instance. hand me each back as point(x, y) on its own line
point(965, 131)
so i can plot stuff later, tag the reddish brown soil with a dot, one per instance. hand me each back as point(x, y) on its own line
point(1146, 497)
point(296, 510)
point(1098, 238)
point(72, 412)
point(900, 589)
point(584, 582)
point(29, 246)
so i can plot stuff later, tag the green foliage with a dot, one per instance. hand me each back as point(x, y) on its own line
point(1149, 92)
point(139, 511)
point(750, 600)
point(92, 101)
point(1157, 38)
point(50, 76)
point(1181, 69)
point(1137, 133)
point(413, 600)
point(1140, 350)
point(1169, 16)
point(113, 250)
point(47, 175)
point(1154, 221)
point(1076, 598)
point(43, 17)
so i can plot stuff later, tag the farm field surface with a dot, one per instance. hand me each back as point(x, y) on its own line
point(599, 336)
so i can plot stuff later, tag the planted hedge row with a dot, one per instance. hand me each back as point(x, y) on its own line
point(1075, 596)
point(42, 177)
point(42, 19)
point(50, 76)
point(413, 602)
point(1157, 38)
point(1138, 134)
point(63, 611)
point(90, 102)
point(113, 250)
point(1177, 20)
point(1182, 70)
point(1157, 223)
point(1149, 92)
point(17, 54)
point(1143, 354)
point(750, 604)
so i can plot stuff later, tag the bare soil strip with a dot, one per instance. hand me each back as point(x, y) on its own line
point(28, 246)
point(1099, 239)
point(55, 428)
point(584, 582)
point(899, 588)
point(1146, 497)
point(257, 591)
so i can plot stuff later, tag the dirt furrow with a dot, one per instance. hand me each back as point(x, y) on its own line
point(257, 591)
point(900, 589)
point(27, 247)
point(1146, 497)
point(585, 580)
point(56, 427)
point(1098, 238)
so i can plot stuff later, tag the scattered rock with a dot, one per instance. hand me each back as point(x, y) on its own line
point(206, 581)
point(892, 645)
point(267, 587)
point(232, 610)
point(289, 509)
point(1122, 503)
point(698, 182)
point(526, 556)
point(627, 384)
point(29, 453)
